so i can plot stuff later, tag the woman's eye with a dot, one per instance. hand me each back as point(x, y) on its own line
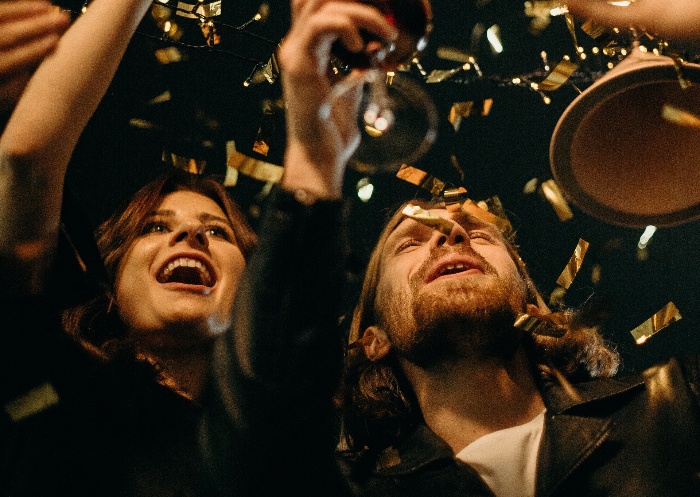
point(220, 232)
point(154, 227)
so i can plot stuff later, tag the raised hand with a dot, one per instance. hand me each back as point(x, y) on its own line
point(319, 144)
point(671, 18)
point(29, 31)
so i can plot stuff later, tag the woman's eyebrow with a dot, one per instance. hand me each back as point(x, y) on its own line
point(204, 216)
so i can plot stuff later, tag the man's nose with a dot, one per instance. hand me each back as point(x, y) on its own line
point(457, 235)
point(193, 235)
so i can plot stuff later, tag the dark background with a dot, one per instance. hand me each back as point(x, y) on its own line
point(497, 154)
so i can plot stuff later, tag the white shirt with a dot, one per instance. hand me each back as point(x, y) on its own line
point(507, 459)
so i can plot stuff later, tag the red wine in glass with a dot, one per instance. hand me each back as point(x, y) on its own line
point(413, 21)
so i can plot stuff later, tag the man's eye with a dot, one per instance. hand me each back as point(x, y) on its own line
point(154, 227)
point(480, 236)
point(408, 245)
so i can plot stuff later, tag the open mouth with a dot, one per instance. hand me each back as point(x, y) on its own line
point(188, 271)
point(450, 268)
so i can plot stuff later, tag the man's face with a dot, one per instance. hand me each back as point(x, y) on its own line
point(440, 295)
point(176, 283)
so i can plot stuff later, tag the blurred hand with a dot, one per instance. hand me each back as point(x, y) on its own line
point(671, 18)
point(29, 31)
point(322, 143)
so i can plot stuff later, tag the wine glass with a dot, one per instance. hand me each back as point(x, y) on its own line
point(380, 59)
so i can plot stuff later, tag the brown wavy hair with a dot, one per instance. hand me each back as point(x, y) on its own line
point(96, 323)
point(375, 399)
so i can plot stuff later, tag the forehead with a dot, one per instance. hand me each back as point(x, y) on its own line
point(409, 227)
point(189, 202)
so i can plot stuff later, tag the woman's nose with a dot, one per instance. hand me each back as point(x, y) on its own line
point(194, 235)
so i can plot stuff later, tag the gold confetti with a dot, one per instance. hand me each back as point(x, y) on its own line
point(460, 110)
point(34, 401)
point(169, 55)
point(199, 10)
point(256, 169)
point(594, 29)
point(420, 178)
point(667, 315)
point(575, 261)
point(188, 164)
point(559, 75)
point(454, 198)
point(679, 116)
point(555, 197)
point(428, 218)
point(533, 324)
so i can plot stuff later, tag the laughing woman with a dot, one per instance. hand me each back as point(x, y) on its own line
point(118, 396)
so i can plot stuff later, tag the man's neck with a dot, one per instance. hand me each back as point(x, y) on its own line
point(469, 398)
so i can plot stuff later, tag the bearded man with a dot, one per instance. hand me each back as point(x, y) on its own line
point(443, 395)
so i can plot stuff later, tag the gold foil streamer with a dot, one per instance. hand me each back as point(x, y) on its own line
point(169, 55)
point(266, 129)
point(593, 29)
point(256, 169)
point(555, 197)
point(680, 116)
point(678, 65)
point(533, 324)
point(572, 267)
point(460, 110)
point(34, 401)
point(559, 75)
point(188, 164)
point(454, 197)
point(571, 24)
point(669, 314)
point(420, 178)
point(199, 10)
point(481, 210)
point(428, 218)
point(210, 33)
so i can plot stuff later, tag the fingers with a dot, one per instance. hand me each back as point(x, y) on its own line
point(29, 30)
point(318, 23)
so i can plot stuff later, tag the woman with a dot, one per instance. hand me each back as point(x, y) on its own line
point(88, 419)
point(173, 259)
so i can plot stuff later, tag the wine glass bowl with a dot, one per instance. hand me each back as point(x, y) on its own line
point(385, 143)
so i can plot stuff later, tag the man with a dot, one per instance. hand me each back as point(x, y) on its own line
point(443, 395)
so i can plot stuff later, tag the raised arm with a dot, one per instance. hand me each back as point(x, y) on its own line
point(672, 18)
point(42, 132)
point(277, 371)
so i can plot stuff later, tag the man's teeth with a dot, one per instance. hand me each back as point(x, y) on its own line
point(187, 262)
point(453, 268)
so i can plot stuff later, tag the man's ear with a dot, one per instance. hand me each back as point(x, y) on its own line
point(375, 343)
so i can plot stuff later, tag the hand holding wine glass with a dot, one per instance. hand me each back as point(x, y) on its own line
point(319, 146)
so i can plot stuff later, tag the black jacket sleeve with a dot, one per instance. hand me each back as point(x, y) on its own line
point(269, 427)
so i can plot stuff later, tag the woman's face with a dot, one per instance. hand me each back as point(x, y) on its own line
point(176, 283)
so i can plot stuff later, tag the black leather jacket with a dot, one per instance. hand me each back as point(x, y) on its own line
point(633, 436)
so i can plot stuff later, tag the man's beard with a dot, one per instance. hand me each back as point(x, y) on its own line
point(468, 317)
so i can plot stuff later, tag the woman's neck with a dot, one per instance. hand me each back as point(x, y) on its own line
point(184, 370)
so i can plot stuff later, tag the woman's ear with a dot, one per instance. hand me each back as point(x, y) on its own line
point(375, 343)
